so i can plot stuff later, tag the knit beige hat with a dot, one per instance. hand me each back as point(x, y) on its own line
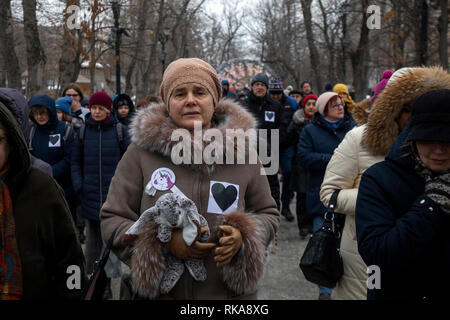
point(191, 70)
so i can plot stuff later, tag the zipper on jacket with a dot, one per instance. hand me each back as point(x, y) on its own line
point(100, 162)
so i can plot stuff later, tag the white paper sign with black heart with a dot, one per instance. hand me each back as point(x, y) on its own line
point(269, 116)
point(223, 197)
point(54, 140)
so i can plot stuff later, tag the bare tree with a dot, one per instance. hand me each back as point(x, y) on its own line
point(71, 49)
point(314, 54)
point(36, 58)
point(11, 62)
point(144, 86)
point(421, 32)
point(140, 41)
point(443, 30)
point(360, 56)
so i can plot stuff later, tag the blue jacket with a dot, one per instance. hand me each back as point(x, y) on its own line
point(94, 166)
point(48, 143)
point(315, 148)
point(401, 230)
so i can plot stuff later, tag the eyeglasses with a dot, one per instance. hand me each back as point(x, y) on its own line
point(336, 106)
point(72, 95)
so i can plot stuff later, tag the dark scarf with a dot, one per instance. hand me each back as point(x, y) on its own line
point(10, 265)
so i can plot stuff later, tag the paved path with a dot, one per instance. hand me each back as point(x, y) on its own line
point(283, 279)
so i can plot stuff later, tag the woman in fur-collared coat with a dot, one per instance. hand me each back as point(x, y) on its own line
point(365, 146)
point(235, 199)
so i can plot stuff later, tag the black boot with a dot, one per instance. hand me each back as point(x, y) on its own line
point(286, 212)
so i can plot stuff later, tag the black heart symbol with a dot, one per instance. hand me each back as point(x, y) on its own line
point(224, 196)
point(269, 115)
point(54, 139)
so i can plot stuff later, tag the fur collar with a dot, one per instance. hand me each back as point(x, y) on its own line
point(361, 110)
point(152, 128)
point(299, 118)
point(382, 129)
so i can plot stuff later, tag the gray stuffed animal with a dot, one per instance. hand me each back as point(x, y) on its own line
point(172, 211)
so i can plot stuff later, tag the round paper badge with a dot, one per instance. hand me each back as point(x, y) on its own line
point(162, 179)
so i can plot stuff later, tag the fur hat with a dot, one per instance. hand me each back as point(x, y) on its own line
point(323, 100)
point(190, 70)
point(430, 119)
point(64, 104)
point(261, 77)
point(100, 98)
point(382, 84)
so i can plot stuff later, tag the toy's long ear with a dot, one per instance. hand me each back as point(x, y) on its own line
point(189, 230)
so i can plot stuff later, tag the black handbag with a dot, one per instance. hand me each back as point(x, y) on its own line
point(321, 262)
point(98, 279)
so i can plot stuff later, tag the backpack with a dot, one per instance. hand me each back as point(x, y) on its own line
point(119, 131)
point(67, 132)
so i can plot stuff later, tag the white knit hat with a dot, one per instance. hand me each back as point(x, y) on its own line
point(323, 100)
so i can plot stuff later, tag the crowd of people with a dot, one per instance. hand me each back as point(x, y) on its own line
point(74, 171)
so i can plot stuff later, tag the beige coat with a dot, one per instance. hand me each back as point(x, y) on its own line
point(361, 148)
point(256, 215)
point(344, 171)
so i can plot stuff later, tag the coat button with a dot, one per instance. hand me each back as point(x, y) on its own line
point(430, 208)
point(422, 201)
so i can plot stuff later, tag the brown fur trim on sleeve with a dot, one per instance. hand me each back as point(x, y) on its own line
point(246, 268)
point(148, 263)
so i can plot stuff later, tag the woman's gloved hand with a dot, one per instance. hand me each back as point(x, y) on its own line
point(229, 245)
point(181, 250)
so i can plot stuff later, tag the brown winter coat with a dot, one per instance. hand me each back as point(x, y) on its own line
point(361, 148)
point(256, 215)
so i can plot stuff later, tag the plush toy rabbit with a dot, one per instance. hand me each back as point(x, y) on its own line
point(172, 211)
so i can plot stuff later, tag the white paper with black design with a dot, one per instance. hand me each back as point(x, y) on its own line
point(54, 140)
point(269, 116)
point(223, 197)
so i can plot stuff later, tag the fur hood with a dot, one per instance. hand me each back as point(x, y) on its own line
point(382, 129)
point(152, 129)
point(299, 117)
point(361, 111)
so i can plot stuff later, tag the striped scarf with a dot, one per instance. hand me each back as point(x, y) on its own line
point(10, 266)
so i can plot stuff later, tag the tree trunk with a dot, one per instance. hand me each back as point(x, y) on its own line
point(443, 30)
point(145, 85)
point(69, 63)
point(398, 36)
point(360, 56)
point(92, 60)
point(7, 46)
point(330, 46)
point(315, 64)
point(420, 35)
point(140, 40)
point(35, 54)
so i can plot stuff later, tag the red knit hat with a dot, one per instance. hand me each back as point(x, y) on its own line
point(305, 99)
point(100, 98)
